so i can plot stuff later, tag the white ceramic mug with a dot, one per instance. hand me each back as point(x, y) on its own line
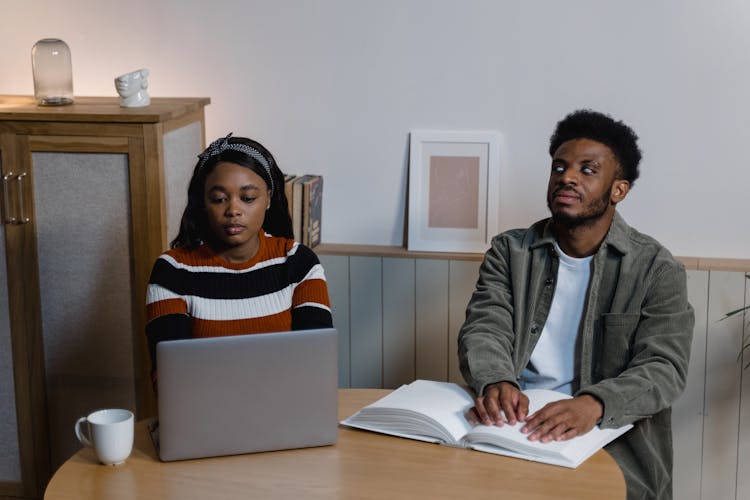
point(110, 433)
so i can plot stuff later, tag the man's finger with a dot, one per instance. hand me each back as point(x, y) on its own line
point(493, 410)
point(481, 411)
point(509, 409)
point(509, 397)
point(570, 434)
point(554, 432)
point(546, 429)
point(472, 416)
point(522, 409)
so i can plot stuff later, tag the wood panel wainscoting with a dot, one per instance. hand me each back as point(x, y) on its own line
point(398, 314)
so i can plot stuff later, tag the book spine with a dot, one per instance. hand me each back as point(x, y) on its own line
point(288, 185)
point(314, 221)
point(306, 211)
point(297, 207)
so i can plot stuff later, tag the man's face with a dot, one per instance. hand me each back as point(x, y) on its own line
point(583, 184)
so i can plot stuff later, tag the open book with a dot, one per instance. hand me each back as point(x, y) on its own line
point(435, 412)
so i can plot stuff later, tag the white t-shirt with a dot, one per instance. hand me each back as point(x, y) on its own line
point(552, 364)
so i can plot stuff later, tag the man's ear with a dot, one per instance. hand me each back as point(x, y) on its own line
point(619, 191)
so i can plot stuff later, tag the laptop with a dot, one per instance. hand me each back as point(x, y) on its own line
point(247, 393)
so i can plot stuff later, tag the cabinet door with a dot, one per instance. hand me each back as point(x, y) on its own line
point(69, 282)
point(81, 216)
point(10, 459)
point(24, 460)
point(25, 467)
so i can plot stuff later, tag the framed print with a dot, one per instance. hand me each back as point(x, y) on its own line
point(454, 180)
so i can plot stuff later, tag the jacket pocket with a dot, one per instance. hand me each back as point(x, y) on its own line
point(615, 343)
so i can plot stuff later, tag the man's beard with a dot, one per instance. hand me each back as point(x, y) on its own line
point(590, 214)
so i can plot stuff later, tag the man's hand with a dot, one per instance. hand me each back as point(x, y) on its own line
point(563, 420)
point(498, 399)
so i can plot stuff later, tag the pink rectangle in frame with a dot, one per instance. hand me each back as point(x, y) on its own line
point(454, 192)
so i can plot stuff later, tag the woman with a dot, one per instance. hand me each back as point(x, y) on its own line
point(234, 268)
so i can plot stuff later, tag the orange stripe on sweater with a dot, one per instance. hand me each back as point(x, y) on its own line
point(280, 322)
point(164, 307)
point(314, 290)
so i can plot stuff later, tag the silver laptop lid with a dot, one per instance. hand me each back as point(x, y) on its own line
point(248, 393)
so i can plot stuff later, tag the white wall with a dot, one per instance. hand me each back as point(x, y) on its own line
point(334, 86)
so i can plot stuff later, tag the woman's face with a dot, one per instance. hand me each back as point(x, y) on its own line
point(236, 200)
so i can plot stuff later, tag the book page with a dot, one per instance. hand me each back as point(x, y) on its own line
point(423, 407)
point(569, 453)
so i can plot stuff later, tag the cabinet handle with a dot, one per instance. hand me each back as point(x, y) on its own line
point(21, 218)
point(9, 219)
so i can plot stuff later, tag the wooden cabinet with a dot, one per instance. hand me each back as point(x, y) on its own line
point(91, 194)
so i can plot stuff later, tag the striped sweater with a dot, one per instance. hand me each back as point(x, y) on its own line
point(196, 293)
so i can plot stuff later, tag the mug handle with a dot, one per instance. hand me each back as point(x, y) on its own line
point(79, 432)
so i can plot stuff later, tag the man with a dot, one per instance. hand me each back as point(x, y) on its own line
point(584, 304)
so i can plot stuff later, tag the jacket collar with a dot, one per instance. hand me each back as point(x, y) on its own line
point(617, 236)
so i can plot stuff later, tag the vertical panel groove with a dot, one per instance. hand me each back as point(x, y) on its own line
point(723, 375)
point(739, 409)
point(739, 465)
point(383, 361)
point(366, 317)
point(398, 321)
point(349, 306)
point(705, 383)
point(414, 321)
point(431, 278)
point(448, 326)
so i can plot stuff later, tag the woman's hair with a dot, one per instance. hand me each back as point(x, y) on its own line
point(194, 228)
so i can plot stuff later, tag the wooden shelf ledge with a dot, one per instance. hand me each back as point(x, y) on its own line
point(691, 263)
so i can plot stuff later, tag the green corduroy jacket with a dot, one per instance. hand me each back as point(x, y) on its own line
point(634, 340)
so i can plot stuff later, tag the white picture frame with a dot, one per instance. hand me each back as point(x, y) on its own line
point(454, 184)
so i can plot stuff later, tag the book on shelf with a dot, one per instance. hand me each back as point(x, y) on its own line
point(288, 184)
point(312, 201)
point(296, 212)
point(436, 412)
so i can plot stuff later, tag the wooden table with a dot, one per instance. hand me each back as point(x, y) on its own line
point(360, 465)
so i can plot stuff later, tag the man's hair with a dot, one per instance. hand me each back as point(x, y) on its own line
point(588, 124)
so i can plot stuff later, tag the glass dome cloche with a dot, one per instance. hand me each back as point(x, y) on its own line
point(53, 73)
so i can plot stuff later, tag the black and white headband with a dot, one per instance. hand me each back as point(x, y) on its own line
point(221, 145)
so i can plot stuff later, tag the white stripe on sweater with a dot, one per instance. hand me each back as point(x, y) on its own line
point(220, 269)
point(232, 309)
point(227, 309)
point(314, 304)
